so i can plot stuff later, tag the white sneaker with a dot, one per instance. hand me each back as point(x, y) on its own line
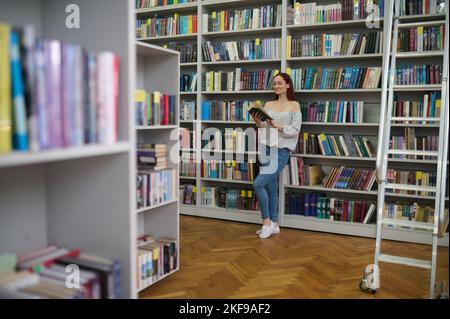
point(276, 230)
point(267, 231)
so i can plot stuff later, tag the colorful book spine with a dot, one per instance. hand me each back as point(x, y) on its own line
point(5, 91)
point(20, 130)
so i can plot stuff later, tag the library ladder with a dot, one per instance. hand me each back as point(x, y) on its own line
point(436, 228)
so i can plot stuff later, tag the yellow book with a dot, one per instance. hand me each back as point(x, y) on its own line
point(288, 46)
point(419, 38)
point(222, 21)
point(5, 91)
point(288, 71)
point(190, 24)
point(438, 108)
point(211, 81)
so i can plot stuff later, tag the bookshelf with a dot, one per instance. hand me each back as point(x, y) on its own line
point(80, 197)
point(156, 69)
point(368, 127)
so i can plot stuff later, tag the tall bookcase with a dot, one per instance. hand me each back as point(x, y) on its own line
point(85, 197)
point(369, 127)
point(158, 70)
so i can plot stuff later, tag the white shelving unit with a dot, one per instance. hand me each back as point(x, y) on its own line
point(369, 126)
point(77, 197)
point(158, 69)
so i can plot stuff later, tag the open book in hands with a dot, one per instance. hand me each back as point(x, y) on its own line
point(258, 111)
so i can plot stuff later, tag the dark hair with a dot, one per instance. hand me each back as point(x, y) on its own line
point(290, 91)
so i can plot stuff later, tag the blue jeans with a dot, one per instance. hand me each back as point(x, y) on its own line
point(266, 183)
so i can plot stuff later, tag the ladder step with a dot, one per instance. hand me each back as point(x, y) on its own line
point(417, 24)
point(410, 187)
point(407, 223)
point(405, 261)
point(423, 119)
point(413, 152)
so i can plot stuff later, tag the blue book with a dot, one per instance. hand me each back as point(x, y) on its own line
point(20, 131)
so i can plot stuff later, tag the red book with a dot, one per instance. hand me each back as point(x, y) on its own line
point(345, 211)
point(356, 207)
point(166, 110)
point(362, 211)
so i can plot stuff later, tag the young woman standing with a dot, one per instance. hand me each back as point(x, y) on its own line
point(287, 119)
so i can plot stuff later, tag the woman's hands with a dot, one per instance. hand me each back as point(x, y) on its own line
point(257, 119)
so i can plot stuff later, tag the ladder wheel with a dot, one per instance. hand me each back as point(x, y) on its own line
point(363, 286)
point(373, 291)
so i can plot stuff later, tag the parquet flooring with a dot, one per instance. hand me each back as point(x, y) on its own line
point(223, 259)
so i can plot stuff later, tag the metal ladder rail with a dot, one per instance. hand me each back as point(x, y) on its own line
point(385, 123)
point(441, 169)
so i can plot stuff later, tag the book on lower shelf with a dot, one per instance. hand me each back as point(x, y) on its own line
point(331, 208)
point(55, 94)
point(44, 273)
point(229, 198)
point(188, 194)
point(156, 258)
point(229, 170)
point(414, 178)
point(428, 107)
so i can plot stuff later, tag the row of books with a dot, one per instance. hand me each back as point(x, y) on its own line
point(339, 44)
point(188, 138)
point(336, 209)
point(187, 194)
point(418, 74)
point(418, 178)
point(188, 51)
point(54, 94)
point(155, 259)
point(151, 156)
point(430, 106)
point(236, 199)
point(239, 80)
point(312, 13)
point(335, 145)
point(229, 140)
point(188, 82)
point(421, 39)
point(333, 111)
point(229, 170)
point(315, 78)
point(188, 110)
point(409, 211)
point(166, 26)
point(413, 7)
point(242, 19)
point(155, 187)
point(45, 273)
point(297, 173)
point(243, 50)
point(227, 110)
point(154, 108)
point(410, 141)
point(188, 164)
point(141, 4)
point(350, 178)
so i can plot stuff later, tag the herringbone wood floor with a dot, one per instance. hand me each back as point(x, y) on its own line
point(222, 259)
